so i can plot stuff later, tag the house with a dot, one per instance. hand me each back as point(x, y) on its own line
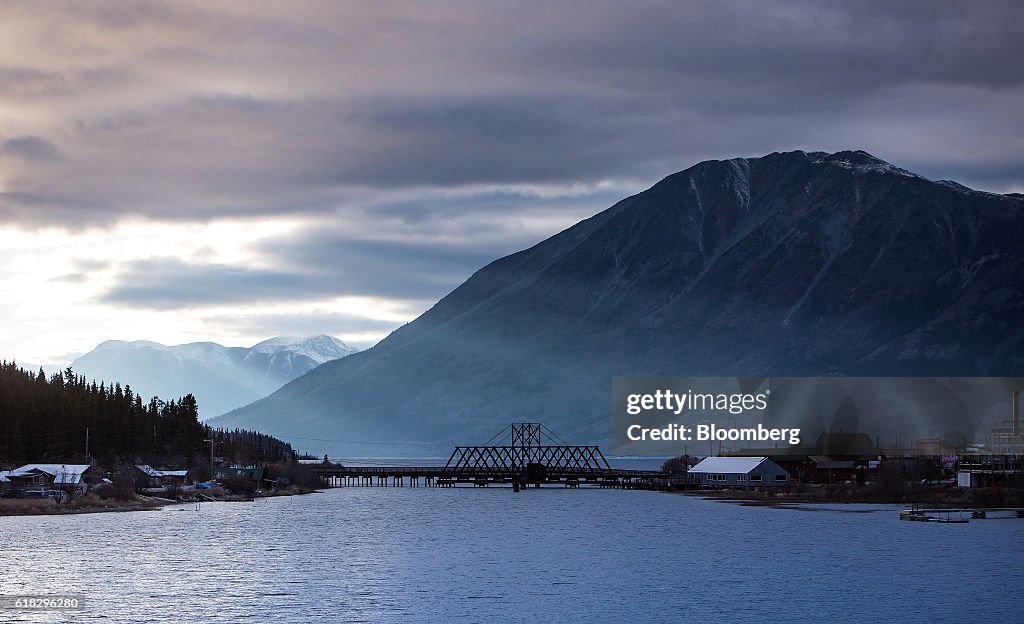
point(250, 473)
point(42, 479)
point(798, 467)
point(148, 477)
point(738, 472)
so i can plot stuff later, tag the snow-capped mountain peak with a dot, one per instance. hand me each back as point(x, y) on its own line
point(320, 348)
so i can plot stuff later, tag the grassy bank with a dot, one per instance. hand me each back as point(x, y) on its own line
point(84, 504)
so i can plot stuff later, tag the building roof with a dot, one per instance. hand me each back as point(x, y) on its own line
point(63, 474)
point(153, 472)
point(728, 465)
point(148, 470)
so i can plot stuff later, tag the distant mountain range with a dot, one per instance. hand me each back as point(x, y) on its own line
point(792, 264)
point(221, 378)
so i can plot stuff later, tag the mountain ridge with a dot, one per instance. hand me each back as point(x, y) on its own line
point(222, 378)
point(795, 263)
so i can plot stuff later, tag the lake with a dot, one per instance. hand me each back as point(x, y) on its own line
point(491, 555)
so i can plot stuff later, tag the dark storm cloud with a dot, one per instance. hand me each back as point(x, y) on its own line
point(175, 111)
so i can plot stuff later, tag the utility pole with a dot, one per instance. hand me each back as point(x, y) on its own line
point(211, 456)
point(87, 445)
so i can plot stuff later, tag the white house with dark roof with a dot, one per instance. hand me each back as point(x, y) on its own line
point(738, 472)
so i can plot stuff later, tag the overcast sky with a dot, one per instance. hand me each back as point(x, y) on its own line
point(232, 171)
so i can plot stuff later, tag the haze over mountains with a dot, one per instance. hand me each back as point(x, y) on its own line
point(791, 264)
point(221, 378)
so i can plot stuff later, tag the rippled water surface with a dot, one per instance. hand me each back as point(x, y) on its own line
point(491, 555)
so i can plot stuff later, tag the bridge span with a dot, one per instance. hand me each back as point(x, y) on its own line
point(528, 460)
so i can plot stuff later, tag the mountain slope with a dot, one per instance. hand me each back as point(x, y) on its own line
point(791, 264)
point(221, 378)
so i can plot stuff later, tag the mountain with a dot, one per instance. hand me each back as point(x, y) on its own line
point(286, 358)
point(790, 264)
point(221, 378)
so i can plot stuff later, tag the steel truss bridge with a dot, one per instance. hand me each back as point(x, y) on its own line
point(520, 455)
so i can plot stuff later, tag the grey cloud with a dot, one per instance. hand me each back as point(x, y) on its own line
point(496, 140)
point(71, 278)
point(30, 148)
point(428, 269)
point(222, 156)
point(85, 270)
point(424, 247)
point(490, 211)
point(172, 284)
point(312, 269)
point(851, 47)
point(27, 81)
point(18, 83)
point(174, 111)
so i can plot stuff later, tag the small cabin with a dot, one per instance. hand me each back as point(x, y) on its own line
point(252, 473)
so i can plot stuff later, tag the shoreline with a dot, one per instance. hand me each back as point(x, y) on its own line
point(48, 507)
point(44, 507)
point(980, 498)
